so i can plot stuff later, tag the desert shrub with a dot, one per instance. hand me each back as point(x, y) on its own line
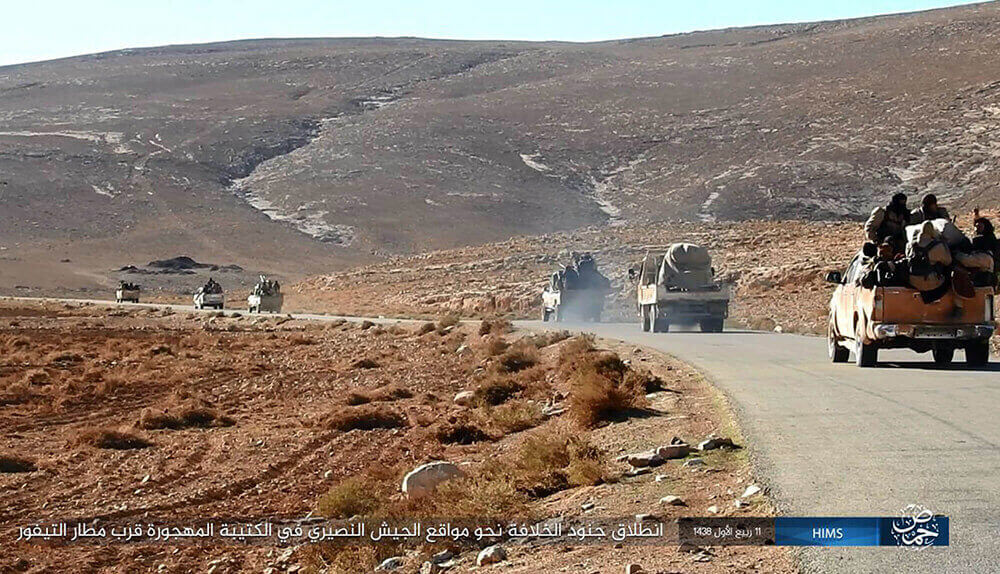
point(497, 390)
point(578, 345)
point(366, 363)
point(494, 327)
point(355, 399)
point(547, 338)
point(65, 358)
point(644, 380)
point(298, 339)
point(36, 377)
point(365, 325)
point(392, 393)
point(355, 496)
point(516, 416)
point(495, 346)
point(449, 320)
point(12, 464)
point(600, 390)
point(185, 415)
point(112, 439)
point(518, 357)
point(550, 462)
point(461, 433)
point(426, 328)
point(364, 417)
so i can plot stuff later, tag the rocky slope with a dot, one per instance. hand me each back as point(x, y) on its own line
point(301, 156)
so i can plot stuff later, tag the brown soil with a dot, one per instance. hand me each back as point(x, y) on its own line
point(79, 378)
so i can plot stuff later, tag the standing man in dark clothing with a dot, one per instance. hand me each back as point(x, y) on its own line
point(889, 222)
point(929, 209)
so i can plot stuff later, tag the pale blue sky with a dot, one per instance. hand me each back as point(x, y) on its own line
point(42, 29)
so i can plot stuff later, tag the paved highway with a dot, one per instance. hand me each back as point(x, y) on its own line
point(836, 440)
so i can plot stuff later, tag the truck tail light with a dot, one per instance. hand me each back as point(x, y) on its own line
point(877, 307)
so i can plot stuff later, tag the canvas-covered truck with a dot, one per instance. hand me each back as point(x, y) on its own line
point(210, 295)
point(265, 297)
point(866, 317)
point(576, 292)
point(679, 288)
point(127, 293)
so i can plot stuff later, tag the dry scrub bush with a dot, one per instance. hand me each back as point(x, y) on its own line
point(386, 394)
point(112, 439)
point(449, 320)
point(600, 389)
point(461, 433)
point(518, 358)
point(495, 346)
point(186, 414)
point(366, 363)
point(426, 328)
point(516, 416)
point(497, 390)
point(542, 340)
point(365, 325)
point(496, 326)
point(354, 496)
point(579, 345)
point(11, 464)
point(363, 417)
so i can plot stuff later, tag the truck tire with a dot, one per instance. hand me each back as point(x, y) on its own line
point(943, 356)
point(546, 315)
point(559, 314)
point(865, 354)
point(977, 353)
point(838, 353)
point(712, 325)
point(645, 319)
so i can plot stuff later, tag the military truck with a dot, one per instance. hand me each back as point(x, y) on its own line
point(679, 288)
point(265, 296)
point(576, 292)
point(127, 292)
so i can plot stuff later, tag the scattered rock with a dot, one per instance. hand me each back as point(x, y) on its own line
point(633, 569)
point(465, 398)
point(673, 451)
point(740, 504)
point(713, 442)
point(712, 509)
point(672, 500)
point(425, 478)
point(587, 506)
point(390, 564)
point(646, 517)
point(491, 555)
point(694, 463)
point(751, 490)
point(442, 557)
point(661, 478)
point(430, 568)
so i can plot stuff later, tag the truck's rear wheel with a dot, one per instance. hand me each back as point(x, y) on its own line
point(977, 353)
point(546, 315)
point(943, 355)
point(645, 318)
point(712, 325)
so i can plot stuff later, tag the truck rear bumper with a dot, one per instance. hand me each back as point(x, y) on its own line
point(886, 333)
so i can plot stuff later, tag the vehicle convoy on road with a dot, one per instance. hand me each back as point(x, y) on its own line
point(127, 293)
point(937, 298)
point(210, 295)
point(266, 297)
point(576, 292)
point(679, 288)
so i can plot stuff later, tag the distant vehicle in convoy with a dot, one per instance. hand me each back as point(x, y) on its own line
point(210, 295)
point(679, 288)
point(576, 292)
point(127, 293)
point(867, 318)
point(266, 297)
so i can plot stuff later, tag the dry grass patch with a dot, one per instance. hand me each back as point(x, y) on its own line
point(112, 439)
point(366, 363)
point(364, 417)
point(449, 320)
point(354, 496)
point(497, 390)
point(187, 413)
point(496, 326)
point(495, 346)
point(516, 416)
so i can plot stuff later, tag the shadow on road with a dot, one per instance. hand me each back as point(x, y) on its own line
point(931, 366)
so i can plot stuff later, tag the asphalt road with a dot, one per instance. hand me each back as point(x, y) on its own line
point(836, 440)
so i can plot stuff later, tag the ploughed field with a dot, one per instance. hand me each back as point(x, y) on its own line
point(118, 416)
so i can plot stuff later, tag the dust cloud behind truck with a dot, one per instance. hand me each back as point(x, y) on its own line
point(679, 288)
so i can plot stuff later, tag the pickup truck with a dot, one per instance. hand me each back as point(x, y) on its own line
point(123, 295)
point(864, 320)
point(216, 300)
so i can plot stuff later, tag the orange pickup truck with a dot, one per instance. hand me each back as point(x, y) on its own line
point(864, 320)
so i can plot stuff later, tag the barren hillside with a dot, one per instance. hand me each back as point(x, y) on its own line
point(302, 156)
